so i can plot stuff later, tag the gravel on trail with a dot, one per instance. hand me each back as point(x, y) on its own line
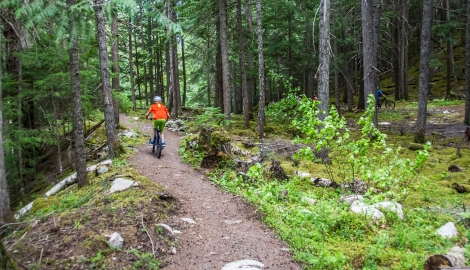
point(217, 227)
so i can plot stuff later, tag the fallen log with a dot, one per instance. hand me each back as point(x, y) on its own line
point(453, 259)
point(65, 182)
point(415, 146)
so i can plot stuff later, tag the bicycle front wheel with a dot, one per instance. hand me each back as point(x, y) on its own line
point(389, 104)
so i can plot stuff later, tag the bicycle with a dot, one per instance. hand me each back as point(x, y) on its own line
point(157, 143)
point(389, 104)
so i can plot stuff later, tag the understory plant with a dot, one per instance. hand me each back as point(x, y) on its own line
point(367, 157)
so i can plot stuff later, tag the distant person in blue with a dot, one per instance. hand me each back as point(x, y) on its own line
point(378, 95)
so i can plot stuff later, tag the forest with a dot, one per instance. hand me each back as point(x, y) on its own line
point(69, 68)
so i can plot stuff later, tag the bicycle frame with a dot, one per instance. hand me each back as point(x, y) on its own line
point(157, 143)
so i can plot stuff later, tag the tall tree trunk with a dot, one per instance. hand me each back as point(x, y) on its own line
point(424, 71)
point(250, 82)
point(5, 211)
point(218, 96)
point(224, 55)
point(150, 52)
point(184, 72)
point(324, 58)
point(241, 47)
point(467, 68)
point(261, 116)
point(131, 66)
point(370, 32)
point(137, 68)
point(105, 84)
point(208, 73)
point(77, 112)
point(115, 66)
point(177, 93)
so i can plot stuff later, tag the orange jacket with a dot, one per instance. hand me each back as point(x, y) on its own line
point(158, 111)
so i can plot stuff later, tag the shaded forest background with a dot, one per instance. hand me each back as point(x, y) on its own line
point(197, 54)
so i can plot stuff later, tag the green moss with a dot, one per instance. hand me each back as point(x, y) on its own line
point(45, 204)
point(219, 137)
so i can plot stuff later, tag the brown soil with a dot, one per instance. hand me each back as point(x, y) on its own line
point(227, 228)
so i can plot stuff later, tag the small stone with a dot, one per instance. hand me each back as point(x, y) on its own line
point(244, 264)
point(188, 220)
point(231, 222)
point(167, 231)
point(351, 198)
point(120, 184)
point(116, 241)
point(177, 232)
point(448, 230)
point(308, 200)
point(173, 251)
point(101, 169)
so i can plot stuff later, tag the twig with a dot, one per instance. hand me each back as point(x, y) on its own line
point(40, 257)
point(153, 248)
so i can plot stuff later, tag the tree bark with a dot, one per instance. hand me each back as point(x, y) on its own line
point(184, 72)
point(467, 68)
point(131, 66)
point(224, 56)
point(250, 83)
point(424, 71)
point(105, 81)
point(324, 59)
point(261, 116)
point(241, 46)
point(115, 66)
point(5, 211)
point(77, 113)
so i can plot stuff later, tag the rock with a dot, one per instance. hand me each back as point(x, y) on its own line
point(323, 182)
point(231, 222)
point(176, 232)
point(390, 206)
point(304, 174)
point(120, 184)
point(173, 251)
point(448, 230)
point(135, 118)
point(351, 198)
point(308, 200)
point(116, 241)
point(454, 168)
point(361, 208)
point(244, 264)
point(129, 133)
point(385, 124)
point(305, 211)
point(167, 230)
point(357, 186)
point(188, 220)
point(101, 169)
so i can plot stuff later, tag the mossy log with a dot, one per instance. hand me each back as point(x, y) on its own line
point(415, 146)
point(461, 188)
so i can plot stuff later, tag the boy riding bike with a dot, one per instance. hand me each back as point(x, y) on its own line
point(160, 115)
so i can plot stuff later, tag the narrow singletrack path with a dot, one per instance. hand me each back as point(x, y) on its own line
point(226, 229)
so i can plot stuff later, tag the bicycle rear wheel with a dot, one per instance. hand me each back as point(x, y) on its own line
point(389, 104)
point(158, 144)
point(154, 143)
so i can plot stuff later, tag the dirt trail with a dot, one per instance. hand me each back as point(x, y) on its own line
point(226, 229)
